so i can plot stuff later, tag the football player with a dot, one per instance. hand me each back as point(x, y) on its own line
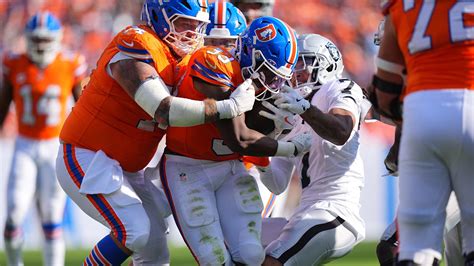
point(253, 9)
point(435, 44)
point(226, 24)
point(41, 83)
point(114, 130)
point(326, 225)
point(215, 202)
point(387, 248)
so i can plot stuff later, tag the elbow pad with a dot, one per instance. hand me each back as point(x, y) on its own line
point(150, 94)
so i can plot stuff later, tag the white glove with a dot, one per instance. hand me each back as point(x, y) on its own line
point(302, 143)
point(292, 101)
point(240, 101)
point(282, 119)
point(296, 146)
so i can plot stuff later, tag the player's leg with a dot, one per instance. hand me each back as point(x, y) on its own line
point(425, 184)
point(156, 206)
point(105, 195)
point(462, 168)
point(311, 237)
point(388, 246)
point(51, 202)
point(190, 192)
point(20, 192)
point(240, 207)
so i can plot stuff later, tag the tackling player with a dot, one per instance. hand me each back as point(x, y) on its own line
point(215, 201)
point(326, 225)
point(435, 43)
point(40, 83)
point(114, 130)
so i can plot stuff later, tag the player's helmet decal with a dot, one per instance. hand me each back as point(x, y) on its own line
point(266, 33)
point(333, 51)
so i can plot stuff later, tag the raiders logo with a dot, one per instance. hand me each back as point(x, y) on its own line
point(266, 33)
point(333, 51)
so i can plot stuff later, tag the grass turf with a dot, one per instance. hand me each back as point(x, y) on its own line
point(362, 255)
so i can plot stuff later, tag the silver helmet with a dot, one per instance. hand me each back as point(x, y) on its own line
point(320, 58)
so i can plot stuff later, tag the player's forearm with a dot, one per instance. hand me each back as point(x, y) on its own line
point(277, 175)
point(333, 128)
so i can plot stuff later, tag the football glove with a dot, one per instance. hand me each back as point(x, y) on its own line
point(292, 101)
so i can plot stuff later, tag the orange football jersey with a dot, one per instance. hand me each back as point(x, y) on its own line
point(107, 118)
point(218, 67)
point(41, 95)
point(437, 43)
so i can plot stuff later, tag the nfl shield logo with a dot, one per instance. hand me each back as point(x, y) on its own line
point(266, 33)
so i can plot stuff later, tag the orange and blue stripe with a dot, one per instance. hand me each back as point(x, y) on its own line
point(139, 54)
point(292, 57)
point(212, 75)
point(98, 200)
point(269, 206)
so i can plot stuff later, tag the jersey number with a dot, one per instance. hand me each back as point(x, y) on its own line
point(420, 41)
point(217, 51)
point(47, 105)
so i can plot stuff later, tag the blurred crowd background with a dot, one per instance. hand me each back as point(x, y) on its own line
point(90, 24)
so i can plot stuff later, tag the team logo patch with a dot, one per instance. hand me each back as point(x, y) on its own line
point(266, 33)
point(333, 51)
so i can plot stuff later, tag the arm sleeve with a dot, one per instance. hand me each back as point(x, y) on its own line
point(277, 176)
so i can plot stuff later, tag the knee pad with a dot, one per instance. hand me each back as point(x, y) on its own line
point(386, 253)
point(137, 235)
point(218, 255)
point(252, 254)
point(416, 217)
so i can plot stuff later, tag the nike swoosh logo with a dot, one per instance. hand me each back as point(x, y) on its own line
point(211, 65)
point(128, 43)
point(288, 122)
point(299, 100)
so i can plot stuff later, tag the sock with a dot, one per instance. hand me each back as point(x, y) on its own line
point(106, 252)
point(54, 247)
point(13, 245)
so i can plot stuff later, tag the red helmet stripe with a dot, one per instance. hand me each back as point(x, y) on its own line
point(203, 5)
point(221, 13)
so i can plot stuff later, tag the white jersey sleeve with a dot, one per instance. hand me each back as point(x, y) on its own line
point(346, 94)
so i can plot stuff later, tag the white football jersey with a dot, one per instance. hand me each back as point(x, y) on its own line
point(329, 172)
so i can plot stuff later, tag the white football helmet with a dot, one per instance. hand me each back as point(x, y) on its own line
point(319, 58)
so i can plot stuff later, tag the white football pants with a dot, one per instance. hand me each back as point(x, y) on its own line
point(33, 179)
point(217, 207)
point(127, 203)
point(436, 157)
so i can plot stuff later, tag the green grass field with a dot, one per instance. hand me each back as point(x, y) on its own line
point(362, 255)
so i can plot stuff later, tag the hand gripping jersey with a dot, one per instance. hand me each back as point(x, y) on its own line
point(437, 42)
point(106, 118)
point(41, 95)
point(215, 66)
